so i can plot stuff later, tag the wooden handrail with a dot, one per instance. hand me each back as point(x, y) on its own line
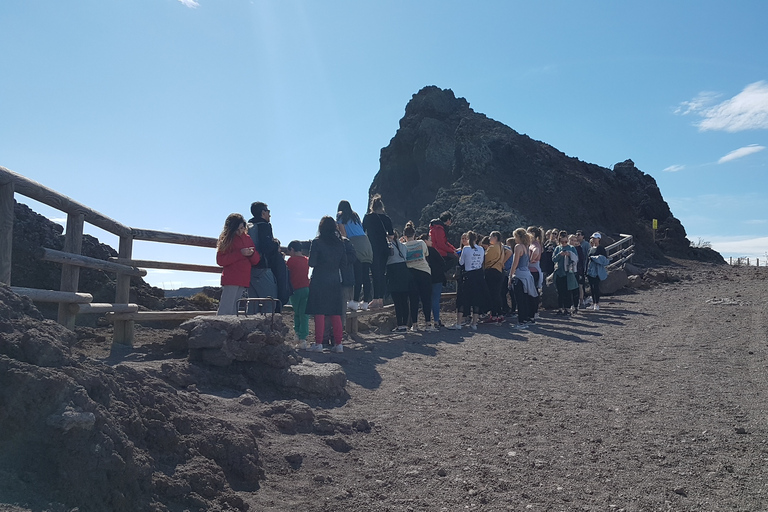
point(617, 250)
point(151, 316)
point(167, 265)
point(173, 238)
point(101, 308)
point(38, 295)
point(625, 239)
point(50, 197)
point(84, 261)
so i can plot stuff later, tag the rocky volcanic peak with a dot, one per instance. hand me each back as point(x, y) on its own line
point(446, 156)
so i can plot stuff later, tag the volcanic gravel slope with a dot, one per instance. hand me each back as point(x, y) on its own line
point(656, 402)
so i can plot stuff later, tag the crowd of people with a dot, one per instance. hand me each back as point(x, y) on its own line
point(356, 263)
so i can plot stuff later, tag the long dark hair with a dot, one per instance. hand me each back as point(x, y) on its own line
point(327, 230)
point(231, 225)
point(346, 213)
point(472, 237)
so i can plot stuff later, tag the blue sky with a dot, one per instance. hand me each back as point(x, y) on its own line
point(171, 114)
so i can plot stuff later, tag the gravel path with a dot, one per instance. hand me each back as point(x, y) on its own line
point(656, 402)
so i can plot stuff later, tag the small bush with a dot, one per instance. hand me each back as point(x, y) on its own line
point(204, 302)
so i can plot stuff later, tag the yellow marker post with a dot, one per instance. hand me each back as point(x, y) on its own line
point(655, 227)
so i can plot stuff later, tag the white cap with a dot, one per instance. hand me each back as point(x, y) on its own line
point(596, 235)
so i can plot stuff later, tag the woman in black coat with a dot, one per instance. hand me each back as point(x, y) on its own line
point(378, 227)
point(327, 257)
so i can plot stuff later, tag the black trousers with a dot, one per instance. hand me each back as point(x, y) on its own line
point(378, 271)
point(420, 289)
point(400, 300)
point(362, 281)
point(564, 296)
point(594, 288)
point(523, 301)
point(493, 282)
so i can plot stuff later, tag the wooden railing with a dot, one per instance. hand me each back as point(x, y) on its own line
point(621, 252)
point(71, 303)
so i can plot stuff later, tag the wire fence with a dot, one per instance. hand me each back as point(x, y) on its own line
point(746, 262)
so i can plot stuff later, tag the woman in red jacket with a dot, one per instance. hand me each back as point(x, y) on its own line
point(235, 252)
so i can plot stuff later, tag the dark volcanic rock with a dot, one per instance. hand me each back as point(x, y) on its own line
point(446, 156)
point(96, 437)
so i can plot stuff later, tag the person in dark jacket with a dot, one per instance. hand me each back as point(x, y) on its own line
point(437, 267)
point(378, 227)
point(327, 257)
point(270, 277)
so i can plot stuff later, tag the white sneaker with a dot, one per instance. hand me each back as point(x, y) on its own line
point(454, 327)
point(596, 307)
point(316, 347)
point(303, 345)
point(353, 305)
point(338, 348)
point(473, 327)
point(414, 328)
point(364, 306)
point(432, 328)
point(536, 316)
point(521, 326)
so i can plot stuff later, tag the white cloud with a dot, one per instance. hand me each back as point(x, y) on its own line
point(741, 152)
point(192, 4)
point(674, 168)
point(748, 110)
point(697, 104)
point(739, 247)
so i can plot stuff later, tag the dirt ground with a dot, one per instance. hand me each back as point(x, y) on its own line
point(656, 402)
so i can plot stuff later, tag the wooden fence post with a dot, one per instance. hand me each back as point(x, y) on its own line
point(70, 274)
point(123, 329)
point(6, 231)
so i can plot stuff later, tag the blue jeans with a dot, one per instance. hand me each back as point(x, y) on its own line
point(437, 289)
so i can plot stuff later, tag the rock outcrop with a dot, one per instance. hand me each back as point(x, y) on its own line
point(446, 156)
point(144, 435)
